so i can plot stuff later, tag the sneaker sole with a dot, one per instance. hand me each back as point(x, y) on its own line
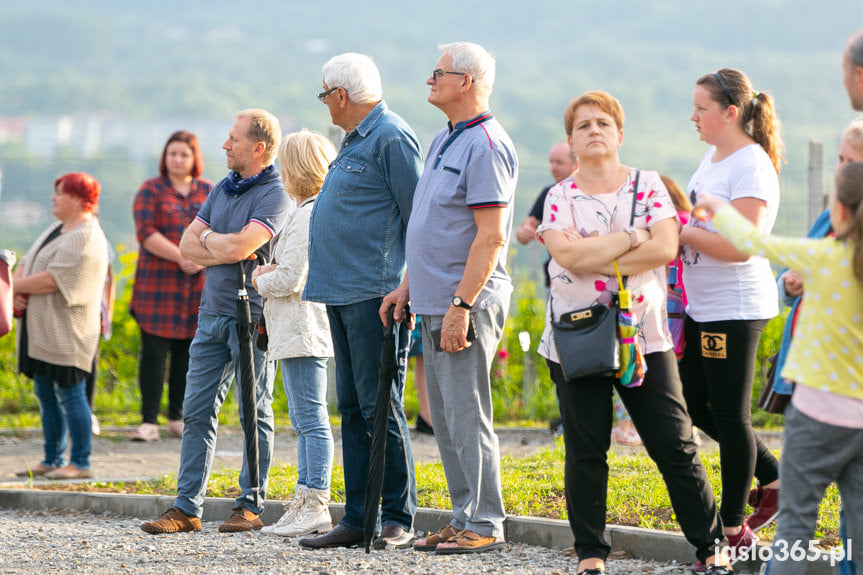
point(239, 529)
point(770, 520)
point(466, 550)
point(303, 533)
point(158, 531)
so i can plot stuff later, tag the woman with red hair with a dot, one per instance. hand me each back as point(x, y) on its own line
point(168, 286)
point(58, 294)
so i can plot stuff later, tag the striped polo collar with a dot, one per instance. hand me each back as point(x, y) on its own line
point(471, 123)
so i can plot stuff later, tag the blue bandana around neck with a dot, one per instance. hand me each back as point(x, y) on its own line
point(235, 185)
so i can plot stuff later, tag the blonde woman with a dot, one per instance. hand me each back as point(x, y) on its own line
point(299, 335)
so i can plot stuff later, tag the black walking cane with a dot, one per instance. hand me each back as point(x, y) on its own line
point(245, 331)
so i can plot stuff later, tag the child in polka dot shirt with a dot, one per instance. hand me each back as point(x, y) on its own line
point(824, 423)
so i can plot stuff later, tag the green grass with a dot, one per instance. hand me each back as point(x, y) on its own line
point(532, 486)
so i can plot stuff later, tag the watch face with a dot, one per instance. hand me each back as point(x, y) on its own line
point(456, 300)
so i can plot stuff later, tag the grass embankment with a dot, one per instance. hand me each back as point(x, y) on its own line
point(532, 486)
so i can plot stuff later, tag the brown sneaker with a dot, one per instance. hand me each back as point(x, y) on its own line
point(172, 521)
point(241, 519)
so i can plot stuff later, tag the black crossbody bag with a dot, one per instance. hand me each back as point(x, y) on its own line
point(587, 339)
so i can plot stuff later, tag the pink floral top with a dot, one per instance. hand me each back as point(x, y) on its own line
point(593, 215)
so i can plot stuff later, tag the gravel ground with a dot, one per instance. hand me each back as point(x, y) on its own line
point(57, 541)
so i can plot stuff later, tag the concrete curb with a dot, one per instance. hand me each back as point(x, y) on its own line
point(649, 544)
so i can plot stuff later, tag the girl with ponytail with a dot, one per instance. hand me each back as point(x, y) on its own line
point(730, 295)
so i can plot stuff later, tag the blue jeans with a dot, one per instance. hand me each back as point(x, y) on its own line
point(305, 381)
point(357, 339)
point(213, 364)
point(64, 410)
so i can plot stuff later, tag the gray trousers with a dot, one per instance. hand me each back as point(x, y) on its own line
point(814, 455)
point(459, 390)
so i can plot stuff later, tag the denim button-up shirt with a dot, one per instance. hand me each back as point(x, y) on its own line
point(357, 228)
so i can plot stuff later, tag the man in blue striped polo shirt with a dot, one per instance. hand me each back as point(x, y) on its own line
point(457, 241)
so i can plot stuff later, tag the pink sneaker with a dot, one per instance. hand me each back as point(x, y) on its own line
point(744, 539)
point(766, 508)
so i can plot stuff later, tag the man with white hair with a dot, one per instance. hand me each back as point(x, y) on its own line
point(356, 257)
point(457, 242)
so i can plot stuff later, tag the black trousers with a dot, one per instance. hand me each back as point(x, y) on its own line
point(659, 414)
point(151, 375)
point(717, 371)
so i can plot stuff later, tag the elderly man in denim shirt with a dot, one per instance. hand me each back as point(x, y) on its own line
point(356, 257)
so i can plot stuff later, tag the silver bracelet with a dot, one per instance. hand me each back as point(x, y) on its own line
point(204, 235)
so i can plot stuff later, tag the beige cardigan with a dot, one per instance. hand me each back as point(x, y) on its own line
point(63, 327)
point(295, 328)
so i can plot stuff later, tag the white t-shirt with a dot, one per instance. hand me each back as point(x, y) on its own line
point(718, 290)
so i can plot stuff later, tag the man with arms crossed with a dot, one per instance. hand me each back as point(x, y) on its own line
point(240, 216)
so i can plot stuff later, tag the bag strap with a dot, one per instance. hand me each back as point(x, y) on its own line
point(622, 282)
point(634, 196)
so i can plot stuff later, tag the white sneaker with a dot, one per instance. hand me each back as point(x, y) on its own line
point(292, 508)
point(145, 432)
point(314, 517)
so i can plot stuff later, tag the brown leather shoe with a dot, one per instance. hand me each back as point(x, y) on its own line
point(338, 536)
point(431, 541)
point(241, 519)
point(172, 521)
point(393, 537)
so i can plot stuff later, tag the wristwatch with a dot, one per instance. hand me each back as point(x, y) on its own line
point(633, 237)
point(458, 302)
point(204, 235)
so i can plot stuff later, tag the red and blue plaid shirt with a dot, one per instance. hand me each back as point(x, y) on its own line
point(165, 300)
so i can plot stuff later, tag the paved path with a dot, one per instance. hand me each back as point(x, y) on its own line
point(114, 456)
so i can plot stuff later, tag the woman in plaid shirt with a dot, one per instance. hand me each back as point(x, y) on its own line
point(168, 287)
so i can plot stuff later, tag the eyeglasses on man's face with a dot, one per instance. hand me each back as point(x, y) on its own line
point(323, 95)
point(438, 73)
